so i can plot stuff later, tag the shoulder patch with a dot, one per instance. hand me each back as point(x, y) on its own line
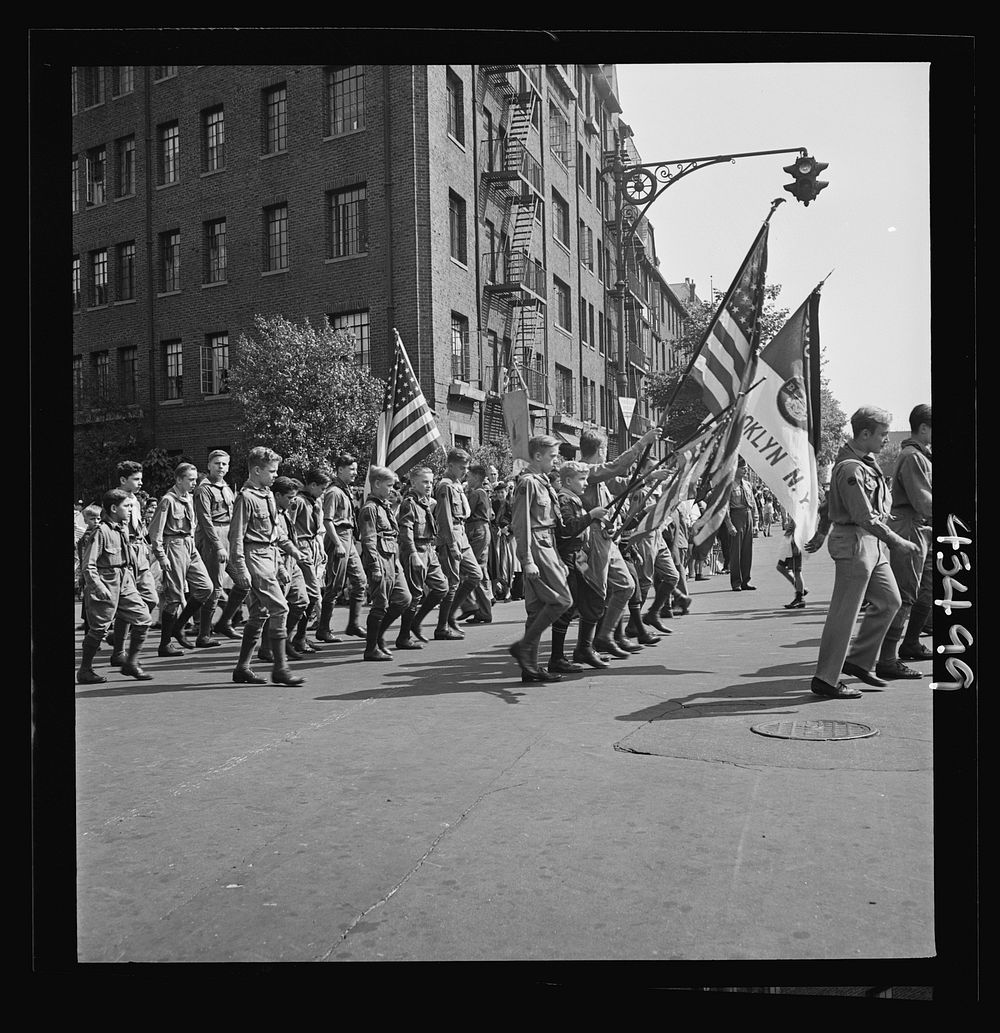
point(852, 480)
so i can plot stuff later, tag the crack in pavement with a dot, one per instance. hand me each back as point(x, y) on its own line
point(618, 747)
point(437, 839)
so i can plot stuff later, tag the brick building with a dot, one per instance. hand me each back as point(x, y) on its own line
point(464, 205)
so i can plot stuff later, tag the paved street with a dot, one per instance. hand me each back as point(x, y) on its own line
point(436, 808)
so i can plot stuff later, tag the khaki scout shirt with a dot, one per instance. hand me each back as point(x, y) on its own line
point(911, 482)
point(339, 515)
point(417, 527)
point(536, 508)
point(307, 515)
point(107, 550)
point(213, 508)
point(451, 509)
point(480, 509)
point(378, 532)
point(859, 494)
point(174, 518)
point(254, 525)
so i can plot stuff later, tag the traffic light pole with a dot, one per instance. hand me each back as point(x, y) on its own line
point(637, 186)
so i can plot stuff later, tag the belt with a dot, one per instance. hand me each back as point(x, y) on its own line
point(178, 534)
point(423, 541)
point(258, 546)
point(114, 566)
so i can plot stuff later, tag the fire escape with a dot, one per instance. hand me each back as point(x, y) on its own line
point(513, 282)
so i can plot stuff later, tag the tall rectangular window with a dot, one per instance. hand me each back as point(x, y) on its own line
point(590, 324)
point(128, 374)
point(74, 88)
point(583, 320)
point(215, 365)
point(102, 375)
point(173, 357)
point(76, 282)
point(169, 139)
point(215, 251)
point(589, 177)
point(93, 85)
point(345, 92)
point(122, 80)
point(459, 347)
point(126, 271)
point(170, 261)
point(456, 106)
point(275, 238)
point(600, 332)
point(125, 162)
point(98, 278)
point(348, 221)
point(97, 160)
point(591, 402)
point(564, 390)
point(560, 219)
point(559, 136)
point(213, 125)
point(164, 72)
point(564, 304)
point(76, 183)
point(275, 112)
point(77, 381)
point(459, 232)
point(357, 324)
point(579, 164)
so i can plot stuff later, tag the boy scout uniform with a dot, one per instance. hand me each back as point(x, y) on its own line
point(858, 505)
point(213, 508)
point(463, 573)
point(536, 515)
point(419, 559)
point(378, 536)
point(573, 544)
point(741, 516)
point(139, 541)
point(477, 527)
point(339, 510)
point(296, 590)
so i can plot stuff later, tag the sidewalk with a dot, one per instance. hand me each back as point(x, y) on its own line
point(435, 808)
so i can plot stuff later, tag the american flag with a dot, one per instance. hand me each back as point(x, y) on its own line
point(407, 430)
point(721, 363)
point(721, 470)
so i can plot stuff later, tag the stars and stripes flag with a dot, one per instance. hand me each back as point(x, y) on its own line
point(407, 431)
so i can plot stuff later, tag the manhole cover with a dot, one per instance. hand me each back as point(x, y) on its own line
point(815, 730)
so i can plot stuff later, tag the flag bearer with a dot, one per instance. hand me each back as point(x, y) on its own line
point(343, 562)
point(418, 557)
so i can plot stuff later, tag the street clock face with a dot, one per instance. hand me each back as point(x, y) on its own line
point(639, 185)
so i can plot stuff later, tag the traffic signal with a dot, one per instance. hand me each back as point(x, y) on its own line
point(806, 186)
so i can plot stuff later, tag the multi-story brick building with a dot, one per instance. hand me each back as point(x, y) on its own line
point(464, 205)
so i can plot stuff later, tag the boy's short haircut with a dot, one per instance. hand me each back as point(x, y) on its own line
point(572, 468)
point(920, 414)
point(417, 471)
point(541, 442)
point(870, 417)
point(319, 475)
point(113, 498)
point(478, 470)
point(262, 456)
point(218, 453)
point(285, 485)
point(344, 459)
point(128, 467)
point(93, 510)
point(591, 441)
point(567, 450)
point(457, 455)
point(378, 474)
point(183, 468)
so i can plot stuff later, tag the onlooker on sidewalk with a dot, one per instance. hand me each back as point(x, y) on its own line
point(740, 523)
point(789, 566)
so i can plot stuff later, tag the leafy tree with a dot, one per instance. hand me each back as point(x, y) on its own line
point(110, 434)
point(498, 455)
point(299, 391)
point(887, 457)
point(158, 472)
point(832, 421)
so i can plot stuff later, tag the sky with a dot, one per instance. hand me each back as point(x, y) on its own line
point(871, 225)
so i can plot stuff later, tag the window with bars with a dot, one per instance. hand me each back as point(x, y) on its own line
point(458, 228)
point(357, 324)
point(348, 218)
point(125, 163)
point(274, 103)
point(215, 251)
point(559, 136)
point(560, 218)
point(345, 92)
point(213, 122)
point(164, 72)
point(93, 85)
point(98, 278)
point(170, 261)
point(128, 374)
point(168, 138)
point(275, 238)
point(74, 88)
point(215, 364)
point(77, 381)
point(126, 271)
point(173, 358)
point(564, 304)
point(456, 106)
point(76, 283)
point(102, 376)
point(122, 80)
point(460, 358)
point(76, 183)
point(97, 160)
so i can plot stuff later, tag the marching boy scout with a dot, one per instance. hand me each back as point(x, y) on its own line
point(457, 560)
point(343, 561)
point(418, 557)
point(859, 544)
point(110, 590)
point(546, 591)
point(213, 509)
point(306, 513)
point(573, 543)
point(255, 539)
point(378, 536)
point(477, 527)
point(171, 537)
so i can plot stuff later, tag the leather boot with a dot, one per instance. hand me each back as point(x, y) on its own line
point(204, 639)
point(323, 632)
point(607, 645)
point(372, 651)
point(167, 647)
point(180, 624)
point(558, 662)
point(444, 628)
point(300, 641)
point(653, 616)
point(521, 652)
point(637, 629)
point(539, 673)
point(584, 652)
point(463, 593)
point(291, 652)
point(281, 673)
point(623, 641)
point(131, 666)
point(405, 639)
point(242, 673)
point(264, 653)
point(118, 642)
point(353, 625)
point(86, 675)
point(391, 614)
point(426, 605)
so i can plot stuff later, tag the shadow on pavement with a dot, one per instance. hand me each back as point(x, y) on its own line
point(730, 701)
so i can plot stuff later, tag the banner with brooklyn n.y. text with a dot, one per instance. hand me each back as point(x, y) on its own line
point(782, 420)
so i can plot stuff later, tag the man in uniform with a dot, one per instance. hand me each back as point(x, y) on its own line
point(343, 561)
point(860, 539)
point(171, 538)
point(457, 560)
point(213, 509)
point(477, 527)
point(418, 557)
point(306, 513)
point(740, 523)
point(911, 519)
